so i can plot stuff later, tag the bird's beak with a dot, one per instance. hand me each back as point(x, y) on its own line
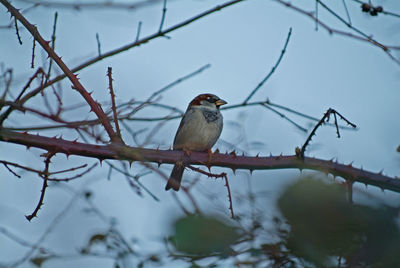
point(220, 102)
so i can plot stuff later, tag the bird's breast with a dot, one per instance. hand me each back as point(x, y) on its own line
point(200, 130)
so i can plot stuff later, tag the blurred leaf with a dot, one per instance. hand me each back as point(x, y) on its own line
point(324, 225)
point(203, 235)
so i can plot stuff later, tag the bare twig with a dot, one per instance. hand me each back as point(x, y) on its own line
point(324, 119)
point(178, 81)
point(73, 177)
point(33, 53)
point(272, 70)
point(285, 117)
point(138, 31)
point(45, 176)
point(347, 11)
point(133, 44)
point(53, 45)
point(98, 44)
point(164, 11)
point(93, 4)
point(17, 31)
point(221, 175)
point(95, 106)
point(114, 109)
point(359, 36)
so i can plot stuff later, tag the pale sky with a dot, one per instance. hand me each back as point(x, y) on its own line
point(242, 43)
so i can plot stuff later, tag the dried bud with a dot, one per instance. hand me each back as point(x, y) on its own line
point(373, 12)
point(379, 9)
point(365, 7)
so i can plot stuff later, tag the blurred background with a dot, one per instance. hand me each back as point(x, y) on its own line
point(99, 220)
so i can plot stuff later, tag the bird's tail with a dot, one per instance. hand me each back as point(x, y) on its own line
point(175, 179)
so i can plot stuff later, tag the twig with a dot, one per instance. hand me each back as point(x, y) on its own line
point(114, 109)
point(179, 80)
point(9, 169)
point(383, 11)
point(17, 31)
point(95, 106)
point(316, 15)
point(135, 177)
point(347, 11)
point(285, 117)
point(45, 176)
point(272, 70)
point(134, 44)
point(330, 30)
point(164, 11)
point(213, 175)
point(326, 116)
point(17, 100)
point(7, 76)
point(53, 45)
point(106, 4)
point(98, 44)
point(73, 177)
point(33, 53)
point(138, 31)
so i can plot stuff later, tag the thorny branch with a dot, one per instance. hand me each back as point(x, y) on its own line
point(231, 160)
point(221, 175)
point(323, 120)
point(45, 176)
point(130, 45)
point(113, 106)
point(95, 106)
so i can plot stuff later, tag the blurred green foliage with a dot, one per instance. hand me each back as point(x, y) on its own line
point(326, 230)
point(202, 235)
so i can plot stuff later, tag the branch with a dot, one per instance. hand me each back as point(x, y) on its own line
point(132, 45)
point(331, 30)
point(95, 106)
point(231, 160)
point(272, 70)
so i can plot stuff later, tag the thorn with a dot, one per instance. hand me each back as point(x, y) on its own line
point(209, 167)
point(75, 141)
point(270, 154)
point(234, 170)
point(251, 171)
point(130, 163)
point(257, 155)
point(380, 172)
point(216, 151)
point(242, 153)
point(101, 161)
point(233, 153)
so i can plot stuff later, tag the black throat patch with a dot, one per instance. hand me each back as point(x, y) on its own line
point(210, 116)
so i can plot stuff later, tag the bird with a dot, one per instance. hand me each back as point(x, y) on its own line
point(199, 130)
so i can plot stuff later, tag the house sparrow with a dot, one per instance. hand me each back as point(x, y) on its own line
point(199, 130)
